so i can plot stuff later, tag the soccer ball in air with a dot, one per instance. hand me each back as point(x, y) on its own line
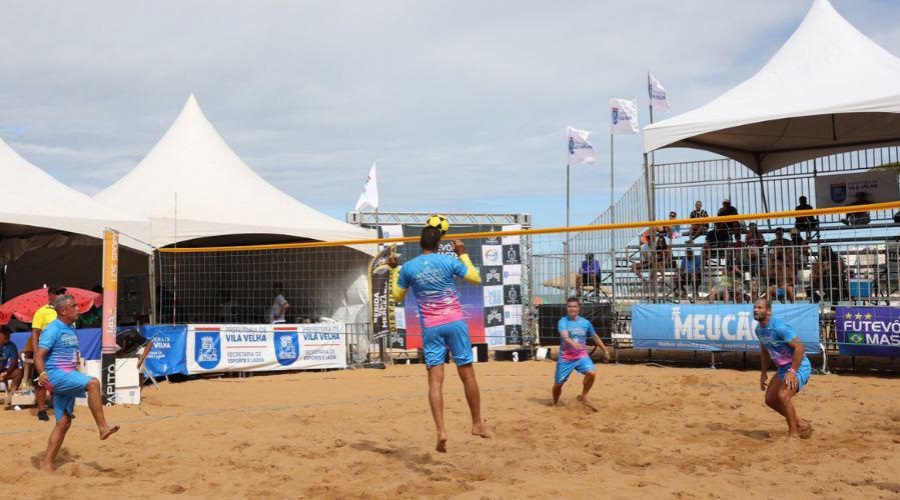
point(439, 222)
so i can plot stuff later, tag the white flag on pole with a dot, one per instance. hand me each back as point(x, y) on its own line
point(659, 99)
point(369, 197)
point(624, 116)
point(580, 150)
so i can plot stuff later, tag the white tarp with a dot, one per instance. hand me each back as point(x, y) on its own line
point(192, 185)
point(828, 89)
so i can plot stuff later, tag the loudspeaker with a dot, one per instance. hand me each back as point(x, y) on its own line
point(481, 349)
point(134, 299)
point(600, 315)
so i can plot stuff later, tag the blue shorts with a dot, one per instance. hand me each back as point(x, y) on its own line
point(67, 386)
point(803, 373)
point(564, 368)
point(436, 339)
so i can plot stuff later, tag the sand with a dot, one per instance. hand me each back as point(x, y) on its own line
point(662, 432)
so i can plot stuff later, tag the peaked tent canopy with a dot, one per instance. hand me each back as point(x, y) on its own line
point(51, 233)
point(828, 89)
point(35, 203)
point(217, 194)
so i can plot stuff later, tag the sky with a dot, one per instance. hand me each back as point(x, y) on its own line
point(464, 104)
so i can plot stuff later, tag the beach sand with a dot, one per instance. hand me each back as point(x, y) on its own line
point(660, 432)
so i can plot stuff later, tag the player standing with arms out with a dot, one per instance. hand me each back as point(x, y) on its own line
point(430, 276)
point(779, 345)
point(574, 332)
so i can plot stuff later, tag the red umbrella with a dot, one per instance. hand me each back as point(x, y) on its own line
point(24, 306)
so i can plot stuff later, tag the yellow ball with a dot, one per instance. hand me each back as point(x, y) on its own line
point(439, 222)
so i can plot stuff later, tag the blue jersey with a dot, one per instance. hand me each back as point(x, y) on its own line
point(59, 338)
point(775, 337)
point(9, 356)
point(579, 330)
point(431, 278)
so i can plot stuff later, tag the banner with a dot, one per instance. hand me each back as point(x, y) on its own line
point(380, 292)
point(716, 327)
point(369, 197)
point(260, 348)
point(166, 357)
point(108, 325)
point(659, 99)
point(868, 331)
point(873, 186)
point(624, 116)
point(580, 150)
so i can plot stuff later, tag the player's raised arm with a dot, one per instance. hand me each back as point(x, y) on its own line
point(398, 291)
point(471, 272)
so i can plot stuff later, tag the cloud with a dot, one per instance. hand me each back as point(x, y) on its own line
point(464, 104)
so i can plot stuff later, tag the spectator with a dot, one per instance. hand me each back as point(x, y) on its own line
point(858, 218)
point(733, 227)
point(279, 305)
point(94, 316)
point(690, 272)
point(675, 229)
point(780, 270)
point(754, 237)
point(724, 285)
point(42, 317)
point(828, 279)
point(651, 255)
point(800, 249)
point(807, 223)
point(590, 270)
point(10, 373)
point(698, 229)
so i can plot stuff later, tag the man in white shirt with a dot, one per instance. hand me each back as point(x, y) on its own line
point(279, 305)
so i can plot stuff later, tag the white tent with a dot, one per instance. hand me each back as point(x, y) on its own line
point(828, 89)
point(50, 232)
point(192, 185)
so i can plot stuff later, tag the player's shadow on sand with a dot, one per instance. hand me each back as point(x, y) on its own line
point(415, 462)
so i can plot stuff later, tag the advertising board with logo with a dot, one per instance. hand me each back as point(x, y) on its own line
point(716, 327)
point(874, 186)
point(868, 331)
point(224, 348)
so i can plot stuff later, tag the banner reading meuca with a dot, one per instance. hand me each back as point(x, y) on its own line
point(256, 348)
point(868, 331)
point(715, 327)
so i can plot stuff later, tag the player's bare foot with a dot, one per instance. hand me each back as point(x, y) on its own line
point(804, 429)
point(586, 402)
point(480, 430)
point(109, 431)
point(47, 468)
point(441, 444)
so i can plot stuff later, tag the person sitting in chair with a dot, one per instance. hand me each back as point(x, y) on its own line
point(590, 271)
point(10, 373)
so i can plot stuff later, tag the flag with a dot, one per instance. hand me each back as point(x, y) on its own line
point(658, 97)
point(369, 197)
point(624, 116)
point(580, 150)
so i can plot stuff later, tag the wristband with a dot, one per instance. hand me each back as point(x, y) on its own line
point(791, 370)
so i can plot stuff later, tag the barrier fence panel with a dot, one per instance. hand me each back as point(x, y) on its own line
point(680, 266)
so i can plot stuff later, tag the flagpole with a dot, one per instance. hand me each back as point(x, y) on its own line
point(649, 171)
point(566, 243)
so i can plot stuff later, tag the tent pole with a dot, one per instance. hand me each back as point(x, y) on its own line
point(765, 201)
point(151, 264)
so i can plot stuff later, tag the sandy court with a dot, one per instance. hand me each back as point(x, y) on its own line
point(368, 433)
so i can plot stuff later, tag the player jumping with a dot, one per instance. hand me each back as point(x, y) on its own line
point(430, 276)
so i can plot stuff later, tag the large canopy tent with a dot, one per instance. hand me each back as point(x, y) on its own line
point(829, 89)
point(51, 233)
point(196, 191)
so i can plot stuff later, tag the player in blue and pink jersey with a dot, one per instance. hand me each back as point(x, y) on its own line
point(56, 360)
point(431, 278)
point(782, 347)
point(574, 332)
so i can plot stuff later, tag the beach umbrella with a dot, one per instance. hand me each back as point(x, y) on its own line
point(24, 306)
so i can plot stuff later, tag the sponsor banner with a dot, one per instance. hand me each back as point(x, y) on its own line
point(491, 255)
point(868, 331)
point(512, 274)
point(166, 357)
point(109, 314)
point(392, 231)
point(493, 296)
point(492, 275)
point(716, 327)
point(380, 291)
point(495, 335)
point(251, 348)
point(874, 186)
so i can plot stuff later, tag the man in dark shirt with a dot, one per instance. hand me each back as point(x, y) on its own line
point(732, 228)
point(698, 229)
point(10, 373)
point(807, 223)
